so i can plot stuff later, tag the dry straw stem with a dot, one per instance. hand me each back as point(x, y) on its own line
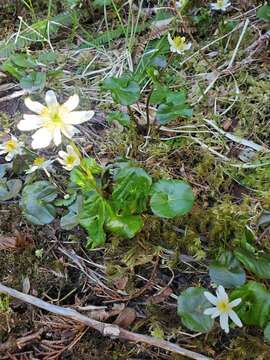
point(104, 329)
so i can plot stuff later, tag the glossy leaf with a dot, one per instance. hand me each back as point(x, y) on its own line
point(126, 226)
point(131, 190)
point(92, 218)
point(72, 218)
point(34, 81)
point(36, 202)
point(9, 189)
point(226, 271)
point(170, 198)
point(259, 264)
point(191, 305)
point(254, 308)
point(124, 90)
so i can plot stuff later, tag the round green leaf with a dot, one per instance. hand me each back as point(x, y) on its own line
point(124, 90)
point(226, 271)
point(254, 308)
point(171, 198)
point(36, 199)
point(191, 305)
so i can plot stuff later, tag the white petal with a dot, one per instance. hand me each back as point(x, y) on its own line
point(221, 293)
point(41, 138)
point(69, 131)
point(31, 169)
point(72, 102)
point(210, 297)
point(212, 311)
point(10, 156)
point(78, 117)
point(235, 318)
point(34, 106)
point(235, 302)
point(57, 138)
point(62, 154)
point(170, 40)
point(2, 151)
point(30, 122)
point(50, 98)
point(70, 150)
point(224, 322)
point(188, 46)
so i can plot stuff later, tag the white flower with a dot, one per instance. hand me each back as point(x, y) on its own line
point(69, 159)
point(220, 5)
point(53, 120)
point(178, 44)
point(40, 163)
point(11, 147)
point(180, 4)
point(223, 308)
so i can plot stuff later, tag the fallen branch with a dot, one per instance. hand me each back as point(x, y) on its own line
point(110, 330)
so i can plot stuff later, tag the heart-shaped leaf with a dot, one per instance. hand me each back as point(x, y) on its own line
point(126, 226)
point(171, 198)
point(121, 117)
point(226, 271)
point(191, 305)
point(36, 202)
point(254, 308)
point(9, 189)
point(124, 90)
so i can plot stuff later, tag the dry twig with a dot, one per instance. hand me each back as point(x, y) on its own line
point(110, 330)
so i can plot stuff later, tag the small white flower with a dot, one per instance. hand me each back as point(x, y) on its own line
point(11, 147)
point(180, 4)
point(69, 159)
point(220, 5)
point(223, 308)
point(53, 120)
point(178, 44)
point(40, 163)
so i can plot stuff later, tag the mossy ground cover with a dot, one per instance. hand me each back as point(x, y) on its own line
point(222, 151)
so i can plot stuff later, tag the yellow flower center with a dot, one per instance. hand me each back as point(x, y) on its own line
point(223, 306)
point(39, 161)
point(11, 145)
point(70, 159)
point(220, 3)
point(179, 41)
point(54, 117)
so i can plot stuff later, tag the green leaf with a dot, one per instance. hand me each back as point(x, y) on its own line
point(169, 111)
point(121, 117)
point(9, 189)
point(254, 308)
point(159, 94)
point(34, 81)
point(124, 90)
point(72, 218)
point(126, 226)
point(93, 217)
point(190, 307)
point(226, 271)
point(259, 264)
point(83, 176)
point(264, 13)
point(36, 202)
point(171, 198)
point(266, 333)
point(131, 191)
